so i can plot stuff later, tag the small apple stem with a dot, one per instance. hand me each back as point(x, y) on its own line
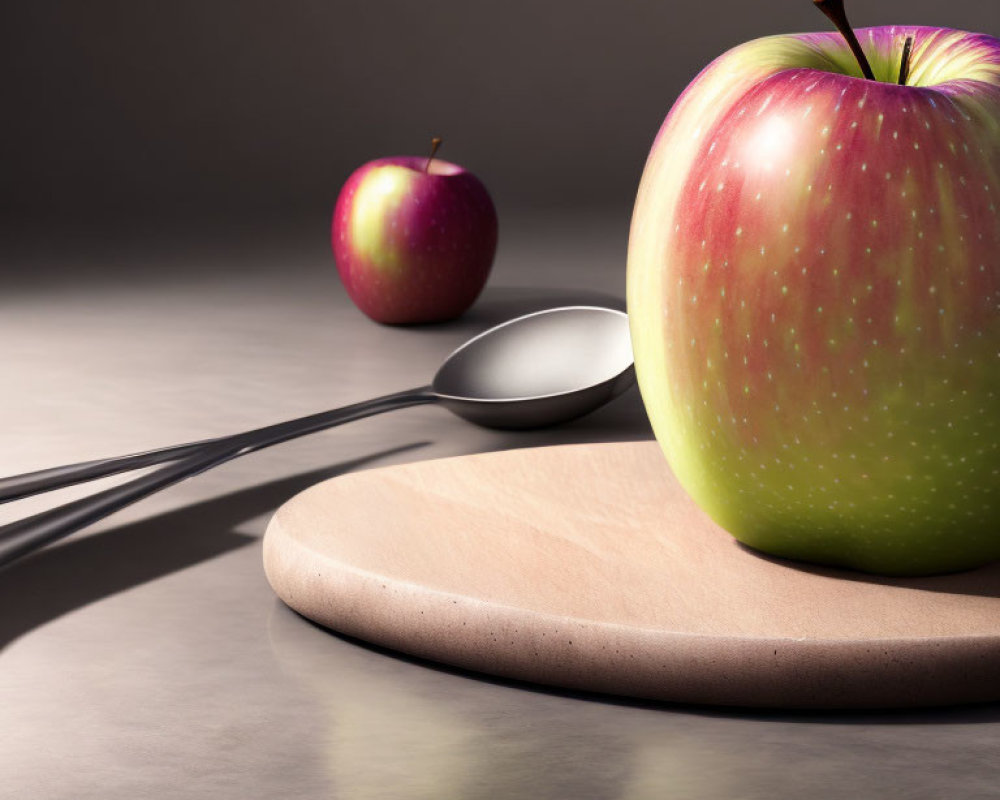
point(904, 63)
point(834, 10)
point(435, 144)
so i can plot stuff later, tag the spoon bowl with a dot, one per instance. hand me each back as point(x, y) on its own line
point(540, 369)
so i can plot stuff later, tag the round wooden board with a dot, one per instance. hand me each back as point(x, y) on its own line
point(588, 567)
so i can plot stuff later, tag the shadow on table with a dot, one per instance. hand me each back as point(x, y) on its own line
point(64, 577)
point(310, 648)
point(390, 725)
point(969, 713)
point(504, 303)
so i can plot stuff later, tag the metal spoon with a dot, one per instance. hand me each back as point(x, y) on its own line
point(536, 370)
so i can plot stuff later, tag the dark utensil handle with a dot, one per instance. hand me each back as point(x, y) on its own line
point(46, 480)
point(19, 538)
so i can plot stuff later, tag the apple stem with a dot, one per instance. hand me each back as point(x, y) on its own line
point(904, 63)
point(834, 10)
point(435, 144)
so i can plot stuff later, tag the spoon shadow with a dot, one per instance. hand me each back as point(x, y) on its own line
point(59, 579)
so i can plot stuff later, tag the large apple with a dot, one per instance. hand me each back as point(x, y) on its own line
point(814, 297)
point(414, 238)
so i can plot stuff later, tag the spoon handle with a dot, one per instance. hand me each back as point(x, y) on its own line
point(27, 484)
point(16, 487)
point(19, 538)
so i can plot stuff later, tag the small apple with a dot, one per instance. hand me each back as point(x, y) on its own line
point(814, 296)
point(413, 238)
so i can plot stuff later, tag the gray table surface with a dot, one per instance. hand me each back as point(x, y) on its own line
point(148, 657)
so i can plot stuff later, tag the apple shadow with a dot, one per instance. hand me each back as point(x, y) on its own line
point(496, 305)
point(58, 579)
point(502, 304)
point(983, 581)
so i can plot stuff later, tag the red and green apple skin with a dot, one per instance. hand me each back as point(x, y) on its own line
point(814, 297)
point(412, 244)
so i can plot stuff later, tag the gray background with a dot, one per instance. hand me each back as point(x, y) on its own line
point(187, 115)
